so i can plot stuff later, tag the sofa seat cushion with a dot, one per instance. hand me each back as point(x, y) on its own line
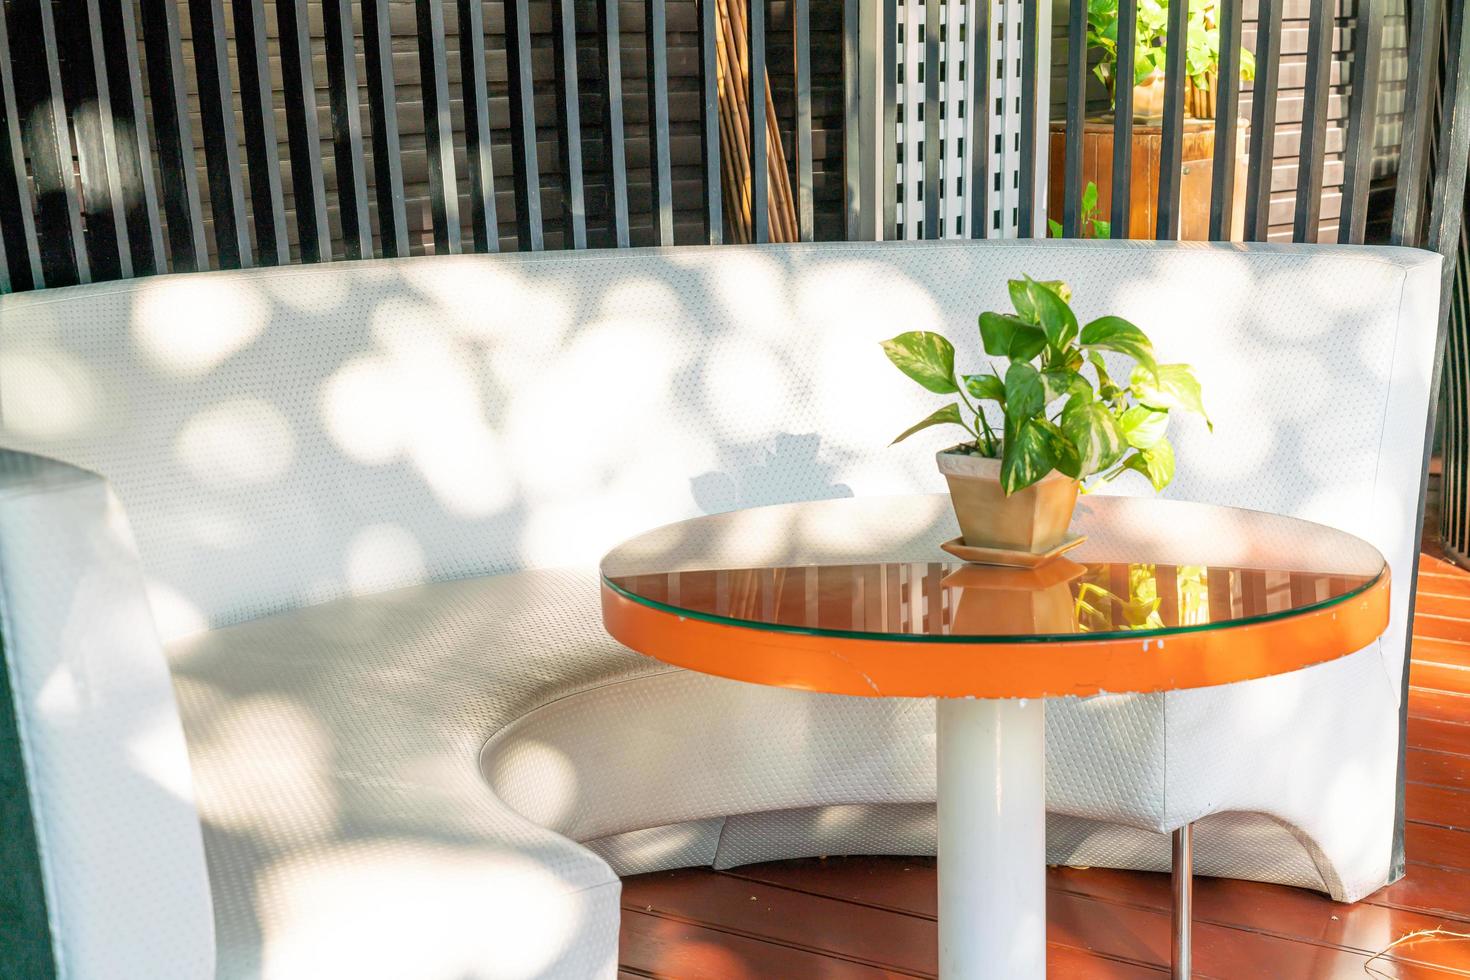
point(334, 753)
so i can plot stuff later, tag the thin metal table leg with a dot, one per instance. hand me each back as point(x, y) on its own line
point(1183, 875)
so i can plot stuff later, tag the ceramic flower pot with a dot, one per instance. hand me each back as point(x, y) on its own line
point(1034, 519)
point(1148, 98)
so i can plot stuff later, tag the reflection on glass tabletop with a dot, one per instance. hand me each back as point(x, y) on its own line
point(780, 586)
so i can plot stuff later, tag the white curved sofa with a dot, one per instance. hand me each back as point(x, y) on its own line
point(368, 498)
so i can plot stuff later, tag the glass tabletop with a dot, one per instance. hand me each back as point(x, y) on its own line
point(872, 568)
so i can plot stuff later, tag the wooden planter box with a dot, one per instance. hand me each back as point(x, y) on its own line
point(1199, 167)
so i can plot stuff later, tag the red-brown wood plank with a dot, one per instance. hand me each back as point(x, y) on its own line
point(1290, 914)
point(1449, 628)
point(1431, 890)
point(1444, 583)
point(798, 919)
point(1437, 805)
point(806, 924)
point(1434, 604)
point(1426, 703)
point(1442, 847)
point(1439, 736)
point(1438, 648)
point(1438, 677)
point(1438, 769)
point(654, 946)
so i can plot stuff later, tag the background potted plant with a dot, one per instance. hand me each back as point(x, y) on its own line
point(1202, 68)
point(1053, 418)
point(1202, 54)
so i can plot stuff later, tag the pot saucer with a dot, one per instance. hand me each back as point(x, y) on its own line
point(982, 555)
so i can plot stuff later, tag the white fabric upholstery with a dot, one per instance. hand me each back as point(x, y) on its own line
point(104, 760)
point(286, 437)
point(334, 751)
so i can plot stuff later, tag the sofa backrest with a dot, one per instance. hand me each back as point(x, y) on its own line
point(286, 436)
point(102, 869)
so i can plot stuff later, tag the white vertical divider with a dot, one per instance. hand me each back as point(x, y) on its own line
point(1006, 116)
point(956, 93)
point(910, 212)
point(1043, 114)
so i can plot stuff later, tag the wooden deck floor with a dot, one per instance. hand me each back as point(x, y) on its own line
point(875, 917)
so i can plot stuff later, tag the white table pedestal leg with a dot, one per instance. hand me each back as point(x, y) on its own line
point(992, 839)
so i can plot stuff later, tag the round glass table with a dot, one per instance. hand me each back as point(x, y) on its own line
point(855, 597)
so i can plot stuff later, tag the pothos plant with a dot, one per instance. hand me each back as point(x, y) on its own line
point(1202, 41)
point(1091, 224)
point(1055, 404)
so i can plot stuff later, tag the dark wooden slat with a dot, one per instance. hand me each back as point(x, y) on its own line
point(169, 106)
point(438, 129)
point(1076, 112)
point(978, 136)
point(1362, 121)
point(759, 173)
point(377, 44)
point(933, 143)
point(1263, 121)
point(298, 88)
point(656, 48)
point(267, 203)
point(1171, 144)
point(888, 149)
point(802, 76)
point(1227, 123)
point(709, 115)
point(1419, 87)
point(1026, 214)
point(87, 98)
point(22, 265)
point(111, 133)
point(609, 51)
point(221, 142)
point(352, 203)
point(1447, 205)
point(7, 213)
point(47, 142)
point(139, 193)
point(852, 154)
point(527, 172)
point(1314, 122)
point(484, 223)
point(1122, 189)
point(569, 123)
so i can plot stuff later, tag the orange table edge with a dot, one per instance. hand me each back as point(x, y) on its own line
point(877, 667)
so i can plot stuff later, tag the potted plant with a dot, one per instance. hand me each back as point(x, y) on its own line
point(1197, 152)
point(1202, 55)
point(1059, 416)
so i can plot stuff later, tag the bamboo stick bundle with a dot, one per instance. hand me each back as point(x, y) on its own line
point(733, 70)
point(781, 208)
point(734, 128)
